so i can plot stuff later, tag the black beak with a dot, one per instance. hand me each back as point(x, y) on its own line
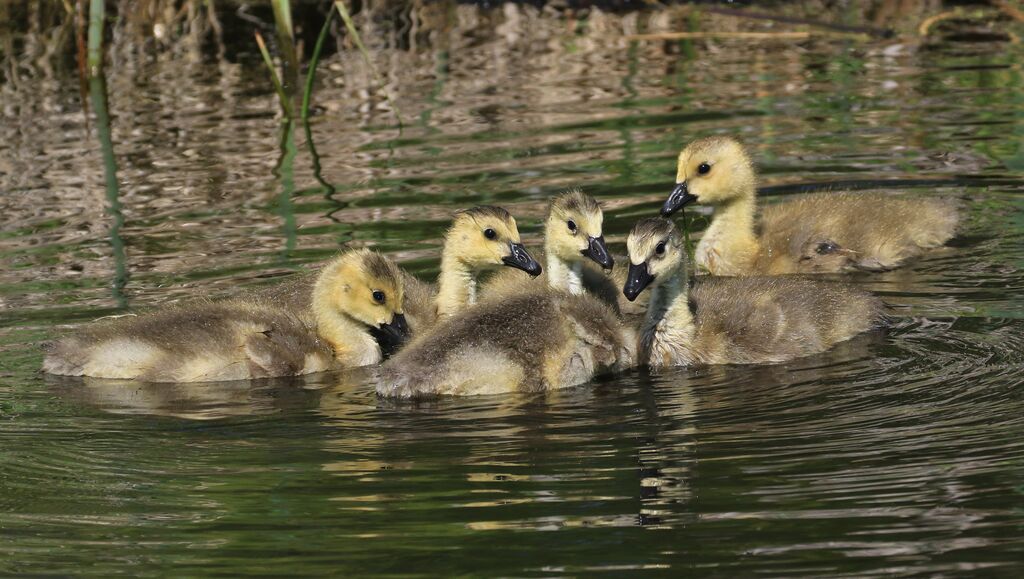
point(521, 259)
point(391, 336)
point(598, 252)
point(636, 280)
point(680, 196)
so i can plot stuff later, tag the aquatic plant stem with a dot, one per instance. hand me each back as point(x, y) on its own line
point(286, 40)
point(98, 96)
point(94, 58)
point(286, 104)
point(307, 95)
point(307, 92)
point(350, 25)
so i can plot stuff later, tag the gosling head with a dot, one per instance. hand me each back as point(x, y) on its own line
point(573, 230)
point(486, 237)
point(712, 171)
point(367, 287)
point(655, 254)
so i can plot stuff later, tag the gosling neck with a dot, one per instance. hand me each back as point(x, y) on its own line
point(668, 319)
point(564, 275)
point(669, 302)
point(456, 285)
point(730, 245)
point(352, 343)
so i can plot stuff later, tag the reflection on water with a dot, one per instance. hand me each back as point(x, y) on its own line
point(898, 452)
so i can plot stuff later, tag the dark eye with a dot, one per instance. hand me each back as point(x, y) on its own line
point(826, 247)
point(703, 168)
point(379, 297)
point(489, 233)
point(660, 249)
point(572, 225)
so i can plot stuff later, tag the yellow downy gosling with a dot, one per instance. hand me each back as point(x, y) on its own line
point(478, 240)
point(745, 320)
point(354, 318)
point(525, 336)
point(573, 241)
point(825, 232)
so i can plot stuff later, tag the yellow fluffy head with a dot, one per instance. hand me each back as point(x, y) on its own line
point(575, 220)
point(656, 254)
point(481, 237)
point(362, 285)
point(658, 243)
point(716, 170)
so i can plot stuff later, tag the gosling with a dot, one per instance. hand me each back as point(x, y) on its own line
point(478, 240)
point(526, 337)
point(354, 318)
point(722, 320)
point(820, 233)
point(573, 241)
point(537, 340)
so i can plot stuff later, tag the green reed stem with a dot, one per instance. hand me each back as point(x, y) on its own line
point(350, 25)
point(307, 93)
point(691, 250)
point(98, 97)
point(286, 38)
point(97, 15)
point(286, 104)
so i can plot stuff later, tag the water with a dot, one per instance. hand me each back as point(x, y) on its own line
point(898, 452)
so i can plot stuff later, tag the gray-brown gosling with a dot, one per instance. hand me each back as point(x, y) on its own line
point(827, 232)
point(536, 340)
point(355, 317)
point(744, 320)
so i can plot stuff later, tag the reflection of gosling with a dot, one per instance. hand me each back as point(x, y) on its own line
point(848, 231)
point(540, 339)
point(723, 320)
point(354, 318)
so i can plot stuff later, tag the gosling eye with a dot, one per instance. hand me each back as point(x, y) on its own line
point(379, 297)
point(572, 226)
point(490, 233)
point(703, 169)
point(660, 249)
point(826, 247)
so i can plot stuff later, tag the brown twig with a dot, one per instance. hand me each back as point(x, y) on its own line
point(925, 26)
point(1009, 9)
point(743, 35)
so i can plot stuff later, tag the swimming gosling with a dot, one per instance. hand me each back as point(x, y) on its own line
point(825, 232)
point(539, 339)
point(573, 243)
point(745, 320)
point(354, 318)
point(478, 240)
